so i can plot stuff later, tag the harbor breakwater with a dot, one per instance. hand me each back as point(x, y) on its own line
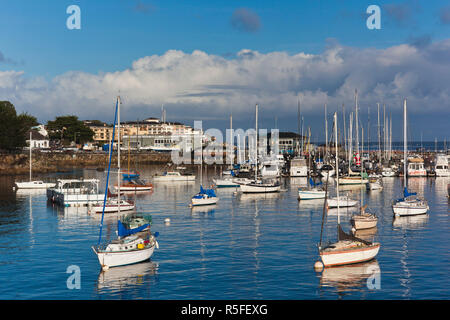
point(18, 163)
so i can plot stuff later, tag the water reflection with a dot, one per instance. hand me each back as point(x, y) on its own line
point(351, 277)
point(125, 277)
point(203, 210)
point(411, 222)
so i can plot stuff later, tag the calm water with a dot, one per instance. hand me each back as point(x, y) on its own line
point(247, 247)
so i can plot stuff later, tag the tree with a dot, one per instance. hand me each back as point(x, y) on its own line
point(68, 128)
point(13, 127)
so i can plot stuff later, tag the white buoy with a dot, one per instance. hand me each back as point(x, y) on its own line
point(167, 220)
point(318, 266)
point(353, 229)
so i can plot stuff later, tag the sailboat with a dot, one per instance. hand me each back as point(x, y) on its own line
point(365, 220)
point(132, 180)
point(348, 249)
point(204, 197)
point(36, 184)
point(353, 178)
point(132, 245)
point(313, 192)
point(410, 204)
point(256, 185)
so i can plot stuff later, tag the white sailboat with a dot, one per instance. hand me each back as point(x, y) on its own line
point(348, 249)
point(204, 197)
point(410, 204)
point(258, 185)
point(36, 184)
point(132, 245)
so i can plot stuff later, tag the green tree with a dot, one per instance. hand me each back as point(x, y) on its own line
point(67, 129)
point(13, 127)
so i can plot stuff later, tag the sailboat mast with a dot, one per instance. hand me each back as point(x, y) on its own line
point(350, 143)
point(379, 134)
point(118, 154)
point(256, 127)
point(337, 165)
point(30, 154)
point(405, 145)
point(356, 122)
point(326, 132)
point(345, 132)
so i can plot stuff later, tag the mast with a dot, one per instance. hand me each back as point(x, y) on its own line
point(256, 127)
point(118, 156)
point(326, 132)
point(379, 134)
point(231, 141)
point(337, 165)
point(350, 143)
point(300, 139)
point(345, 132)
point(30, 154)
point(357, 122)
point(362, 163)
point(405, 145)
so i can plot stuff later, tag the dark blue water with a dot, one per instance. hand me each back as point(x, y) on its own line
point(247, 247)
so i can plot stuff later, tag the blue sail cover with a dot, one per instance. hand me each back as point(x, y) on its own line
point(122, 231)
point(209, 192)
point(313, 184)
point(407, 194)
point(130, 176)
point(232, 173)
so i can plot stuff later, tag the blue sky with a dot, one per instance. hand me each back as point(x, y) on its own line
point(114, 34)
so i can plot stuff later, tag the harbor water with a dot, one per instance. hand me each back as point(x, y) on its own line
point(245, 247)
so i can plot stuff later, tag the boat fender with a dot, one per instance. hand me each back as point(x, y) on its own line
point(157, 244)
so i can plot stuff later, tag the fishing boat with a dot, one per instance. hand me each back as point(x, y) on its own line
point(348, 249)
point(36, 184)
point(298, 167)
point(441, 167)
point(416, 167)
point(173, 176)
point(132, 245)
point(315, 191)
point(410, 204)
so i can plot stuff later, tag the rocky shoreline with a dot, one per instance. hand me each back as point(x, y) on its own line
point(45, 162)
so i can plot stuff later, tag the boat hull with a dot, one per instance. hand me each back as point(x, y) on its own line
point(361, 223)
point(310, 195)
point(247, 188)
point(116, 259)
point(408, 210)
point(225, 183)
point(352, 181)
point(34, 185)
point(343, 202)
point(204, 201)
point(349, 256)
point(174, 178)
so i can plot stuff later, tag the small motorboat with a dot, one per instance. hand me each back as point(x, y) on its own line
point(374, 184)
point(344, 201)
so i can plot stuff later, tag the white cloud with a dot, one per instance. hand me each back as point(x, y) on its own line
point(199, 84)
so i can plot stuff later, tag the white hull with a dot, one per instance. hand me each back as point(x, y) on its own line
point(204, 201)
point(225, 183)
point(406, 208)
point(251, 188)
point(388, 174)
point(349, 256)
point(115, 259)
point(34, 185)
point(173, 178)
point(343, 202)
point(442, 173)
point(352, 180)
point(123, 188)
point(374, 186)
point(76, 199)
point(298, 171)
point(330, 173)
point(311, 194)
point(112, 208)
point(363, 222)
